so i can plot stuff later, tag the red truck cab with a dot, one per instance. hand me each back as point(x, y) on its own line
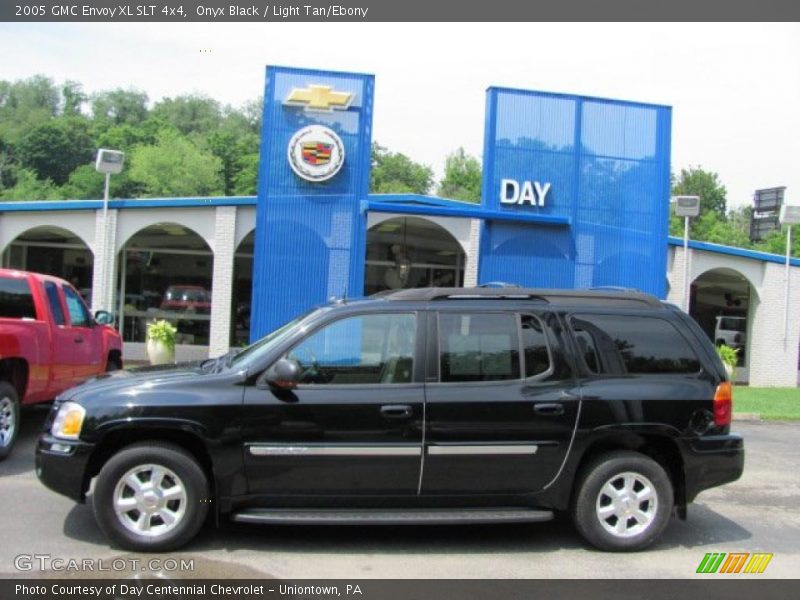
point(49, 341)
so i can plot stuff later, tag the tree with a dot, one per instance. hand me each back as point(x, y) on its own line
point(462, 177)
point(189, 114)
point(247, 177)
point(119, 106)
point(85, 183)
point(53, 149)
point(775, 242)
point(73, 98)
point(694, 181)
point(175, 166)
point(393, 172)
point(7, 165)
point(710, 227)
point(26, 103)
point(28, 187)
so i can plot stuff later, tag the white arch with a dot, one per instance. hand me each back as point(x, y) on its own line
point(201, 221)
point(245, 223)
point(458, 228)
point(730, 271)
point(80, 223)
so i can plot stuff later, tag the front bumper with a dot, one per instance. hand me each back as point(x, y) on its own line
point(711, 461)
point(61, 465)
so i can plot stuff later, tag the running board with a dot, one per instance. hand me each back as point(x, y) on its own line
point(422, 516)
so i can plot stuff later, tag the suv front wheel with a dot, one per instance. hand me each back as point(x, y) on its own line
point(151, 497)
point(623, 501)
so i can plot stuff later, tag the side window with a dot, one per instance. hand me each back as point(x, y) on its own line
point(534, 344)
point(78, 314)
point(55, 302)
point(16, 300)
point(478, 347)
point(364, 349)
point(618, 345)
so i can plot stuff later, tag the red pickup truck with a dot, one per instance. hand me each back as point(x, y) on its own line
point(49, 342)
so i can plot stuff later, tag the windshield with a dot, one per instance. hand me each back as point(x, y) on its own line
point(733, 324)
point(263, 346)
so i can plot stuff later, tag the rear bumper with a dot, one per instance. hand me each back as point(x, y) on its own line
point(712, 461)
point(61, 465)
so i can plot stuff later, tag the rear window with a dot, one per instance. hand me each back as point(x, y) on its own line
point(55, 302)
point(622, 345)
point(16, 300)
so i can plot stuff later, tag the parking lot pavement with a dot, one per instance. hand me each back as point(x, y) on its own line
point(759, 513)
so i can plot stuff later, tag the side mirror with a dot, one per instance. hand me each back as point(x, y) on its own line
point(284, 375)
point(103, 317)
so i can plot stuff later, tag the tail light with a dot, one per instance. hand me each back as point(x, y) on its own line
point(723, 404)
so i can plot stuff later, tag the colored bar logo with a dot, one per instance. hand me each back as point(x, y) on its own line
point(734, 562)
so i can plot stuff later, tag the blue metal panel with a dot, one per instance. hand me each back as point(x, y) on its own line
point(607, 163)
point(309, 236)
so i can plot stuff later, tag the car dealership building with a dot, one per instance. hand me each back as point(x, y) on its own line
point(575, 195)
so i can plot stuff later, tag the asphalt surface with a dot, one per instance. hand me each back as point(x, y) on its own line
point(758, 513)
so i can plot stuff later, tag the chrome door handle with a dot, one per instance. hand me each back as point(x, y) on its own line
point(396, 411)
point(550, 409)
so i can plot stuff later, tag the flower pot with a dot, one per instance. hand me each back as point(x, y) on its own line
point(159, 353)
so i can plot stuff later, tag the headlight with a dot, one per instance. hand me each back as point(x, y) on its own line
point(68, 421)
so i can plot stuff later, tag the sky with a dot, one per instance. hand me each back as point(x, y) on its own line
point(734, 88)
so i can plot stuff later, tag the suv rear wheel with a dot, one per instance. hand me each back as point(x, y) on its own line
point(623, 501)
point(151, 497)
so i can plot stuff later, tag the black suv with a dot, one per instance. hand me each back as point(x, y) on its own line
point(438, 405)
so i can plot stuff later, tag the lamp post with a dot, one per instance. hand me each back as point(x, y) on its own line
point(108, 162)
point(686, 207)
point(790, 215)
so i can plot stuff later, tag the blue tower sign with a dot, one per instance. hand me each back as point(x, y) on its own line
point(602, 164)
point(313, 175)
point(575, 192)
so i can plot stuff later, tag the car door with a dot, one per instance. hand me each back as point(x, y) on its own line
point(62, 373)
point(501, 403)
point(84, 356)
point(353, 424)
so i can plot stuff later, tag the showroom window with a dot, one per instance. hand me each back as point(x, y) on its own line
point(166, 273)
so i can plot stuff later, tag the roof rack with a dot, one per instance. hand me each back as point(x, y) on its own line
point(615, 297)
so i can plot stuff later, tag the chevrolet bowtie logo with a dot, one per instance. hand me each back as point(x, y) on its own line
point(319, 98)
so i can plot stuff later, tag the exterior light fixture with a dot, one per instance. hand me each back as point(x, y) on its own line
point(686, 207)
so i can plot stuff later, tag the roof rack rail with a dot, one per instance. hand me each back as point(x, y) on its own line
point(615, 297)
point(498, 284)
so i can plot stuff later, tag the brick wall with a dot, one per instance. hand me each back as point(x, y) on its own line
point(222, 286)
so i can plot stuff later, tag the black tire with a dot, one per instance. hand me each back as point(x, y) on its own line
point(112, 365)
point(186, 473)
point(9, 418)
point(594, 510)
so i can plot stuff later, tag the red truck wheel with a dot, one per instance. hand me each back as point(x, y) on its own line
point(9, 418)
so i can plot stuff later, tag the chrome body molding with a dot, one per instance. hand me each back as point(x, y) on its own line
point(275, 450)
point(478, 449)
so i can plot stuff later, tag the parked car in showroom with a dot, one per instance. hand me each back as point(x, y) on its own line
point(192, 298)
point(423, 406)
point(49, 342)
point(731, 331)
